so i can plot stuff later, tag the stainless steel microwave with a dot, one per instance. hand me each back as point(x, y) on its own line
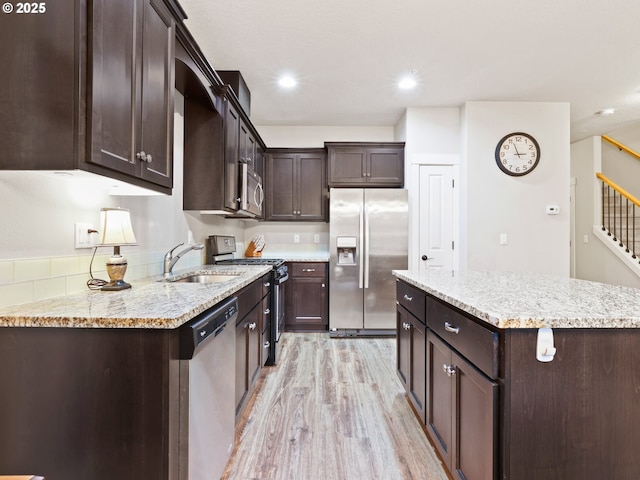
point(251, 192)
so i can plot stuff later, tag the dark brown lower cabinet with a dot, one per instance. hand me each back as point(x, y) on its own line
point(249, 338)
point(411, 344)
point(306, 307)
point(462, 413)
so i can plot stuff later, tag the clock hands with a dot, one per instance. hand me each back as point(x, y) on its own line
point(518, 153)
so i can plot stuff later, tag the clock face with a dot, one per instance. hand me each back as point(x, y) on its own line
point(517, 154)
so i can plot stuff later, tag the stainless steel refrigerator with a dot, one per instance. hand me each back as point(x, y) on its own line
point(368, 239)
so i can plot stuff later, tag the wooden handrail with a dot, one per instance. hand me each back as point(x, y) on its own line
point(618, 189)
point(621, 146)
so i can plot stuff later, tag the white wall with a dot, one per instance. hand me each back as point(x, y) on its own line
point(593, 260)
point(432, 137)
point(496, 203)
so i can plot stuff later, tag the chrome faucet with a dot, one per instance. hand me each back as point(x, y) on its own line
point(170, 260)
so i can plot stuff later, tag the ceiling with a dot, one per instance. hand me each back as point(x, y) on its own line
point(348, 56)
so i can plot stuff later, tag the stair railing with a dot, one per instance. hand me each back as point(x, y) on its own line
point(619, 209)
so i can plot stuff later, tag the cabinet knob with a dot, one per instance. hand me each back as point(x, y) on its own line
point(252, 326)
point(266, 311)
point(149, 159)
point(424, 257)
point(266, 344)
point(449, 369)
point(267, 284)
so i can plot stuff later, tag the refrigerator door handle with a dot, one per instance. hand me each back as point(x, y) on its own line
point(366, 246)
point(361, 231)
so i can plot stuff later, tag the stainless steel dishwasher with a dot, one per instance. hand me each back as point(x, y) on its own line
point(207, 398)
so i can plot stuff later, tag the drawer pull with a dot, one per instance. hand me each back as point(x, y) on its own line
point(267, 344)
point(407, 297)
point(449, 369)
point(450, 328)
point(308, 269)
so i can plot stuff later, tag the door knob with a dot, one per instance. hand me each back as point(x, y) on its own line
point(424, 257)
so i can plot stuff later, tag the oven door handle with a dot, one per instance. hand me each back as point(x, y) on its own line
point(283, 279)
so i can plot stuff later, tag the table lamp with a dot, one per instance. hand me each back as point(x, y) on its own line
point(115, 230)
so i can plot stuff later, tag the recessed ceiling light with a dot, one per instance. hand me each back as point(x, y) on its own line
point(606, 111)
point(408, 81)
point(287, 81)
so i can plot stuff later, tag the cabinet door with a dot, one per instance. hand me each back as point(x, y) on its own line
point(385, 167)
point(116, 89)
point(247, 146)
point(132, 89)
point(403, 342)
point(254, 345)
point(347, 166)
point(312, 187)
point(158, 84)
point(242, 385)
point(309, 304)
point(417, 388)
point(474, 423)
point(231, 156)
point(280, 186)
point(439, 397)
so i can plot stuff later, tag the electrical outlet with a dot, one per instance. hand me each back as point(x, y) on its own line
point(84, 235)
point(316, 238)
point(504, 239)
point(296, 238)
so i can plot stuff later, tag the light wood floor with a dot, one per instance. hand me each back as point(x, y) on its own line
point(331, 409)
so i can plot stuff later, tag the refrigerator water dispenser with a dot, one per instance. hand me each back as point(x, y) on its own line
point(346, 250)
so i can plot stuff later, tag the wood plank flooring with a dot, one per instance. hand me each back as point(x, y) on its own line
point(333, 408)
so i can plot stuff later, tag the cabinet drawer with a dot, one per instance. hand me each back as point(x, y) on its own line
point(474, 341)
point(412, 299)
point(308, 269)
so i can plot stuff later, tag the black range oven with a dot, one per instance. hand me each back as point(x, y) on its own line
point(220, 251)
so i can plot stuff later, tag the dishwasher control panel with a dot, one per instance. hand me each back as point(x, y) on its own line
point(206, 326)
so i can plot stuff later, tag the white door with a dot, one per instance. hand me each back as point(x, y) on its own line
point(436, 217)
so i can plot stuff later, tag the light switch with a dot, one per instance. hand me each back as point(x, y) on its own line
point(504, 239)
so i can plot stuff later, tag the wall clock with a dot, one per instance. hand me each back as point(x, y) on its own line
point(517, 154)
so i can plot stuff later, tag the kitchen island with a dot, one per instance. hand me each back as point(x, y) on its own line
point(93, 385)
point(468, 354)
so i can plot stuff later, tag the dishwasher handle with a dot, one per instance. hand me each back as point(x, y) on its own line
point(206, 326)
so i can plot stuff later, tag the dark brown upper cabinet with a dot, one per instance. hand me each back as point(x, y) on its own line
point(91, 88)
point(296, 185)
point(363, 164)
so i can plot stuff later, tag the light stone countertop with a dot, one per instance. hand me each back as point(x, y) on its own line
point(528, 300)
point(151, 302)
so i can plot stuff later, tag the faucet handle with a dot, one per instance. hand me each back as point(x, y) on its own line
point(170, 252)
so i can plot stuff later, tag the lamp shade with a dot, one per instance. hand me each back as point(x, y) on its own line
point(115, 227)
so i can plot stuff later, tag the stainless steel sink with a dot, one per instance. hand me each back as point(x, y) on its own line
point(207, 278)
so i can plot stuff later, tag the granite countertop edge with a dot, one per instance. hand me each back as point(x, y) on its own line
point(511, 300)
point(152, 302)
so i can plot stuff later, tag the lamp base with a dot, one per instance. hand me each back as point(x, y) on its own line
point(116, 285)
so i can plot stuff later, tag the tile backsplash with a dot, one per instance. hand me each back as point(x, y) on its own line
point(30, 279)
